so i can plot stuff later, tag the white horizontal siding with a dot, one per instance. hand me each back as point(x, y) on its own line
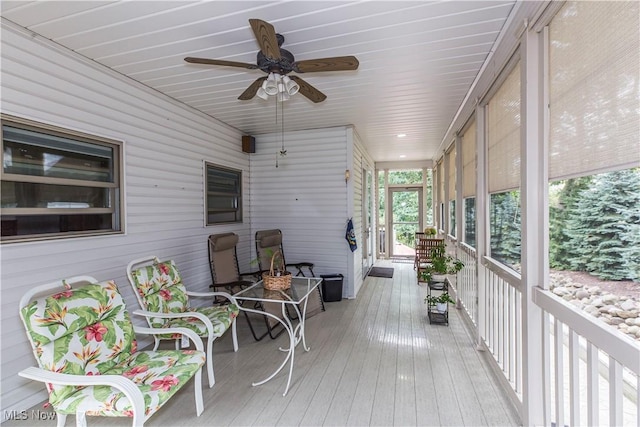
point(305, 196)
point(165, 144)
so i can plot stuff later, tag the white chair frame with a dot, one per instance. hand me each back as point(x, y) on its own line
point(150, 260)
point(128, 387)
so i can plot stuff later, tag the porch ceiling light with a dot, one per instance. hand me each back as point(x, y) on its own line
point(281, 86)
point(290, 86)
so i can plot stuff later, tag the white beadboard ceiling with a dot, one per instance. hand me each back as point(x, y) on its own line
point(417, 59)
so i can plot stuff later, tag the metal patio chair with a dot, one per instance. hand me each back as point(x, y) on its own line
point(269, 242)
point(225, 273)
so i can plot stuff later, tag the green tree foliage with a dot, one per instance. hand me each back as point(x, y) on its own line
point(470, 221)
point(405, 207)
point(560, 208)
point(505, 226)
point(602, 227)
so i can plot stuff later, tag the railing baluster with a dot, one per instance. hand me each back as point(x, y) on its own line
point(615, 392)
point(518, 338)
point(510, 345)
point(559, 371)
point(546, 346)
point(593, 406)
point(574, 378)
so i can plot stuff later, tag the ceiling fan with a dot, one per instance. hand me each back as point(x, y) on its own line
point(273, 59)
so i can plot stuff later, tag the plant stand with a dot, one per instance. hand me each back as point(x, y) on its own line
point(436, 316)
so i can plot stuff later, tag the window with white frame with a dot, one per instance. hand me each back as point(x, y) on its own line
point(469, 184)
point(58, 183)
point(223, 194)
point(503, 137)
point(451, 196)
point(594, 139)
point(440, 193)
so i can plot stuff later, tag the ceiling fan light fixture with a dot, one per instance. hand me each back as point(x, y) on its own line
point(271, 84)
point(283, 96)
point(261, 93)
point(291, 87)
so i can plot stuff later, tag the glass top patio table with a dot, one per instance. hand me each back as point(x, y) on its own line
point(295, 298)
point(300, 289)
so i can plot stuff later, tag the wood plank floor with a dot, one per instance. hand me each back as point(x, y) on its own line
point(374, 360)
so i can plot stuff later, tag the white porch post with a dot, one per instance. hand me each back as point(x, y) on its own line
point(482, 221)
point(534, 226)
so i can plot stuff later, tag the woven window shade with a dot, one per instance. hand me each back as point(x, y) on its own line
point(451, 158)
point(503, 131)
point(594, 88)
point(440, 169)
point(434, 180)
point(469, 161)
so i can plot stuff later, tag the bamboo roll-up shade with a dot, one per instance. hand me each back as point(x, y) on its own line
point(440, 169)
point(451, 157)
point(594, 88)
point(503, 132)
point(434, 181)
point(469, 161)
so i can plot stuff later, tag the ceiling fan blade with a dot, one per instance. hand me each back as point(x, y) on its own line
point(338, 63)
point(309, 91)
point(251, 91)
point(221, 62)
point(266, 36)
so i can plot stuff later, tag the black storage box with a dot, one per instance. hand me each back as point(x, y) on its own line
point(332, 287)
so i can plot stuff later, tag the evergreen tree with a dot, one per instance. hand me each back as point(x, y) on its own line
point(505, 227)
point(561, 246)
point(632, 253)
point(603, 224)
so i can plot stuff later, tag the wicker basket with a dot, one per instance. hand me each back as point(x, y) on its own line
point(273, 282)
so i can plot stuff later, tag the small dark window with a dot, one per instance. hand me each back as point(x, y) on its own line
point(223, 195)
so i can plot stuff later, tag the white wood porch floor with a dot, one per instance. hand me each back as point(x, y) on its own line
point(374, 361)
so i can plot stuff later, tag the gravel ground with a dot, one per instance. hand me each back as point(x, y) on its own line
point(626, 288)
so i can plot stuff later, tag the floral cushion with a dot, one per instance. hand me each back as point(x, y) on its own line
point(158, 374)
point(83, 331)
point(87, 331)
point(161, 290)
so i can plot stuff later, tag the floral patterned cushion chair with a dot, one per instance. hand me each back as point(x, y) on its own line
point(165, 304)
point(84, 342)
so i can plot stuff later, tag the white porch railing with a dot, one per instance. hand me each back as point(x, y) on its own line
point(502, 321)
point(592, 372)
point(466, 283)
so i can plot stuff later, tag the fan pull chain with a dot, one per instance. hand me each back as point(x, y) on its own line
point(283, 152)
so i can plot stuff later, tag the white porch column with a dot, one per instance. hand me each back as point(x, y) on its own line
point(482, 221)
point(534, 225)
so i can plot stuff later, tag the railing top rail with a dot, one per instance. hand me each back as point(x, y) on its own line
point(610, 340)
point(513, 278)
point(469, 250)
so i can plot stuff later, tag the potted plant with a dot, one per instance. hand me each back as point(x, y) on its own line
point(430, 231)
point(441, 263)
point(440, 302)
